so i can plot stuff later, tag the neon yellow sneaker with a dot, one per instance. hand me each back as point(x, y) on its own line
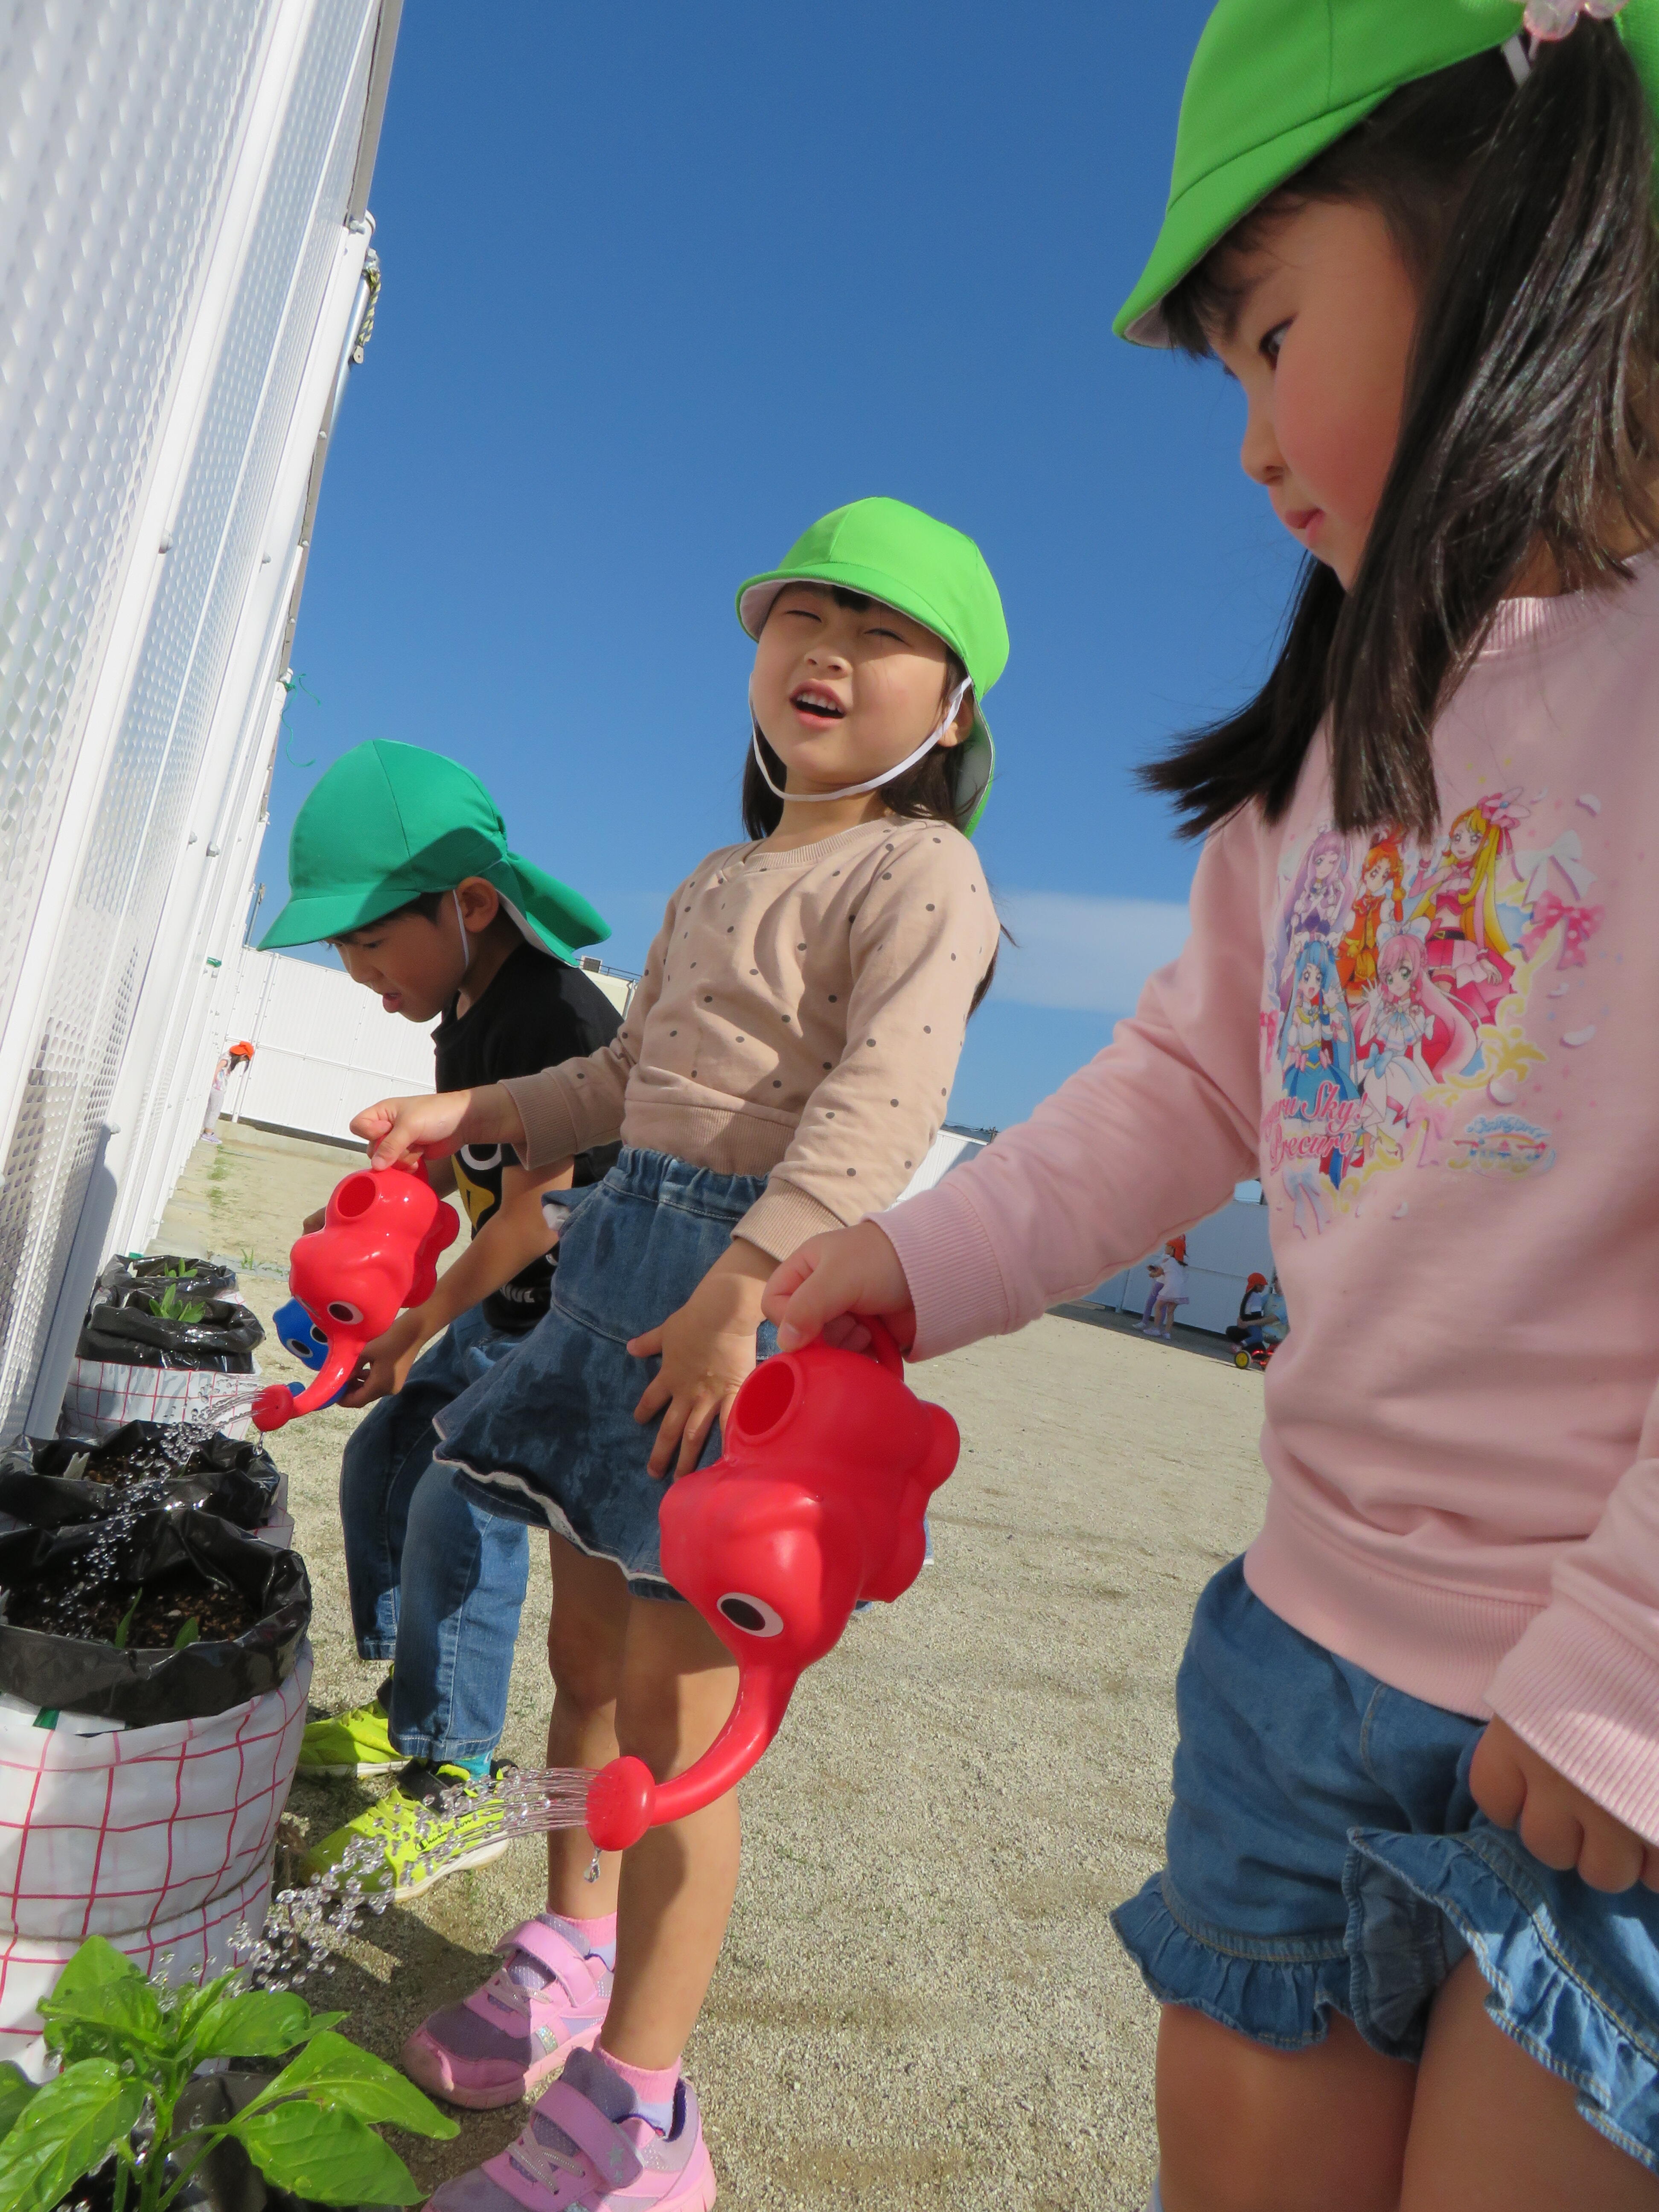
point(355, 1743)
point(406, 1841)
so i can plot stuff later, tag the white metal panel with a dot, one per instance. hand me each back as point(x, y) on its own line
point(175, 179)
point(948, 1149)
point(324, 1047)
point(107, 221)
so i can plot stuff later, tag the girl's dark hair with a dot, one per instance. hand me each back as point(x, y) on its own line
point(925, 792)
point(1527, 212)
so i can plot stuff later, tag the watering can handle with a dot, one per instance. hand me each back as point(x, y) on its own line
point(885, 1346)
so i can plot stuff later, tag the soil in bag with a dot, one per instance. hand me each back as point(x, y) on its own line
point(175, 1618)
point(145, 1329)
point(47, 1480)
point(163, 1272)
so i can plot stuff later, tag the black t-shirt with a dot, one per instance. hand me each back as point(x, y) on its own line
point(536, 1011)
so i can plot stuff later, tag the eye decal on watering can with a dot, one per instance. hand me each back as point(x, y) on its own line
point(818, 1497)
point(752, 1614)
point(339, 1310)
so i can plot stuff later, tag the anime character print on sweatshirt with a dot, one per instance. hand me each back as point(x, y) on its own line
point(1406, 1938)
point(784, 1064)
point(1433, 1003)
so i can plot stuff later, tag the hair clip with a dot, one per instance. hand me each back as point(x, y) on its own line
point(1554, 19)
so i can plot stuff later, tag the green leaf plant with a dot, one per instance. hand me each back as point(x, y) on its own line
point(128, 2047)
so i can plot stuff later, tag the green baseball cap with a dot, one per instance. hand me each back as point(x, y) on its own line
point(1275, 82)
point(388, 822)
point(905, 558)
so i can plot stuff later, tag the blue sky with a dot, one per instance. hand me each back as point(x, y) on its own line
point(664, 284)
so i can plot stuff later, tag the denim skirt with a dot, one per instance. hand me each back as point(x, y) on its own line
point(1326, 1856)
point(548, 1436)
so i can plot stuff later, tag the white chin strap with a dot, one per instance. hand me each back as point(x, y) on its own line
point(874, 783)
point(466, 942)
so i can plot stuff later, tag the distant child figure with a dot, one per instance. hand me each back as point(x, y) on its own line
point(1406, 1941)
point(1171, 1289)
point(1154, 1284)
point(233, 1057)
point(783, 1067)
point(1247, 1330)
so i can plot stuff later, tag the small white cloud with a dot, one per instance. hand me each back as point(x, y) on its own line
point(1090, 954)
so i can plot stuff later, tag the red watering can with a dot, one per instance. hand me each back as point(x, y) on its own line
point(816, 1502)
point(377, 1251)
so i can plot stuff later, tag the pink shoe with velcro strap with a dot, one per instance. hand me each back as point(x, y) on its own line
point(571, 2158)
point(507, 2038)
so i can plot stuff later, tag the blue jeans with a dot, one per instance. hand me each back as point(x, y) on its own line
point(436, 1582)
point(1326, 1856)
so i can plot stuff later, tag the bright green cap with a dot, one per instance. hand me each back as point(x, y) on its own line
point(1276, 81)
point(903, 557)
point(389, 822)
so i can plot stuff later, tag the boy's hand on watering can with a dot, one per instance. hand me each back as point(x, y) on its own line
point(1516, 1787)
point(823, 1288)
point(707, 1354)
point(434, 1126)
point(384, 1368)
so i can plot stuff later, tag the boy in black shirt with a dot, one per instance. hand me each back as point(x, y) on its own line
point(399, 859)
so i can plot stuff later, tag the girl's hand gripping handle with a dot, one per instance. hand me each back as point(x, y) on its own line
point(413, 1129)
point(833, 1284)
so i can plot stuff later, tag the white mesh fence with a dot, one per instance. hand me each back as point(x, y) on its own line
point(183, 275)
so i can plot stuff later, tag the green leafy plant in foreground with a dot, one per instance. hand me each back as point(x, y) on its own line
point(171, 1307)
point(129, 2046)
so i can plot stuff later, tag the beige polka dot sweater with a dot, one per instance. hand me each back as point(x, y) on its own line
point(799, 1017)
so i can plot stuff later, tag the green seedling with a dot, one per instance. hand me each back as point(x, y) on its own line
point(189, 1634)
point(171, 1307)
point(124, 1627)
point(128, 2046)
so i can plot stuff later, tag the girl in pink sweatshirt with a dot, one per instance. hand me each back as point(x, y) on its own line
point(1407, 1939)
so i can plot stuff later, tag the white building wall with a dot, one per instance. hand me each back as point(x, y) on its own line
point(324, 1047)
point(181, 208)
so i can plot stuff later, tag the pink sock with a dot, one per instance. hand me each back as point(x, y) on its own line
point(598, 1936)
point(651, 2085)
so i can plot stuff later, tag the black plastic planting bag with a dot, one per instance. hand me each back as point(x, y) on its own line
point(226, 2179)
point(238, 1481)
point(167, 1271)
point(222, 1339)
point(145, 1686)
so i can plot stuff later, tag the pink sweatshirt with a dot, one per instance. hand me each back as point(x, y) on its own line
point(1444, 1061)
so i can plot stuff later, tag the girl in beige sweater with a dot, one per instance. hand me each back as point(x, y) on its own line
point(783, 1067)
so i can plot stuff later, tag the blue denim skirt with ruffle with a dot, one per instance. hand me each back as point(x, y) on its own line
point(548, 1436)
point(1325, 1854)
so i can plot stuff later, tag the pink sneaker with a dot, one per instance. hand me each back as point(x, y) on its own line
point(571, 2158)
point(505, 2039)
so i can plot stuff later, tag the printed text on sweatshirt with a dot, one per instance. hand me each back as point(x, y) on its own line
point(1442, 1059)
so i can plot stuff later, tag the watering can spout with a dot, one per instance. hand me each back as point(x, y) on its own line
point(624, 1799)
point(278, 1404)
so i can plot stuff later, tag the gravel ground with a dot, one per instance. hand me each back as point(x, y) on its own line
point(921, 1999)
